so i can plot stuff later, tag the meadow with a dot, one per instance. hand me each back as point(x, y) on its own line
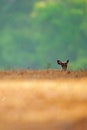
point(43, 100)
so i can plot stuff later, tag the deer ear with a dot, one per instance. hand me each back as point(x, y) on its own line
point(67, 61)
point(59, 62)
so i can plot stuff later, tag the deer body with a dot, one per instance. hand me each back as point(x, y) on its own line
point(63, 64)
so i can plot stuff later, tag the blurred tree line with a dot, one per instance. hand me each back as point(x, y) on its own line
point(34, 34)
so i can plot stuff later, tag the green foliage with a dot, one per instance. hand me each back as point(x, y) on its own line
point(36, 33)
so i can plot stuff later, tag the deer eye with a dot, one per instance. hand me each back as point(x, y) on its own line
point(67, 61)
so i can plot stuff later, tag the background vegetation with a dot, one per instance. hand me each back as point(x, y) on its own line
point(34, 34)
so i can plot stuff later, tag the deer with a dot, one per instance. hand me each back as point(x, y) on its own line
point(63, 64)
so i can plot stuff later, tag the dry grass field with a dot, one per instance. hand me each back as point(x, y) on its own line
point(43, 100)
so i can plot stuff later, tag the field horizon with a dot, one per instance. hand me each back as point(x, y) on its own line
point(42, 74)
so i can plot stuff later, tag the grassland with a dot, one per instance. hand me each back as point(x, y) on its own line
point(43, 100)
point(41, 74)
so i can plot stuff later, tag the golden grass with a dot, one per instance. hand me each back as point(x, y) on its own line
point(43, 100)
point(41, 74)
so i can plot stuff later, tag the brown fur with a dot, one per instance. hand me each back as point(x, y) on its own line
point(63, 64)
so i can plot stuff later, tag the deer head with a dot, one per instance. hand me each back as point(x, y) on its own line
point(63, 64)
